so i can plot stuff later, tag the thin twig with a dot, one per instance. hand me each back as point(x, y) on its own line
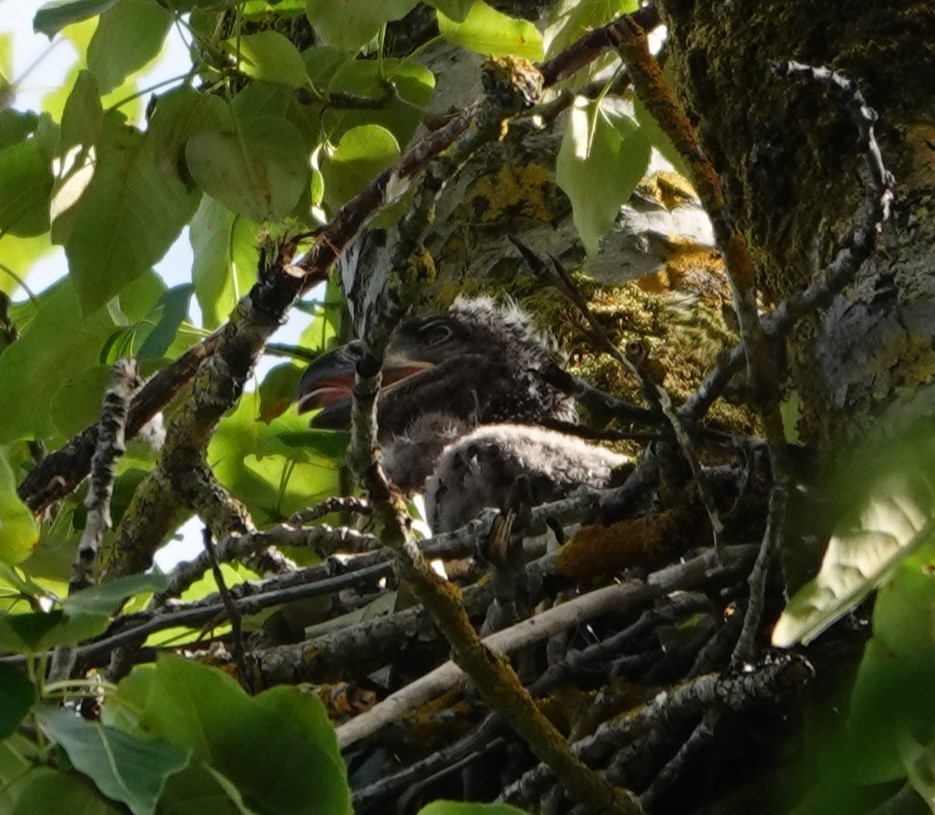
point(338, 503)
point(700, 736)
point(233, 615)
point(762, 373)
point(614, 599)
point(728, 691)
point(638, 366)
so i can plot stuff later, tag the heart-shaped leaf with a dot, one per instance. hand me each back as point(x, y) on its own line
point(259, 171)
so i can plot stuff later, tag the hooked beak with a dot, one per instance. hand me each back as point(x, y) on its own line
point(328, 384)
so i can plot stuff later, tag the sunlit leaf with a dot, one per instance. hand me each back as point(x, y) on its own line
point(258, 171)
point(892, 523)
point(18, 256)
point(659, 138)
point(361, 154)
point(455, 10)
point(261, 466)
point(129, 35)
point(226, 255)
point(570, 20)
point(351, 24)
point(50, 564)
point(602, 158)
point(277, 390)
point(269, 56)
point(490, 32)
point(125, 768)
point(261, 8)
point(6, 58)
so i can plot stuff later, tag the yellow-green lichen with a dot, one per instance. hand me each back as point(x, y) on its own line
point(514, 191)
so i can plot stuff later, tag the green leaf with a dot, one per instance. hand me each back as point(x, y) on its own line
point(35, 366)
point(277, 390)
point(179, 114)
point(457, 808)
point(22, 584)
point(19, 255)
point(53, 17)
point(125, 768)
point(17, 695)
point(129, 35)
point(369, 78)
point(362, 153)
point(259, 171)
point(77, 403)
point(919, 761)
point(25, 189)
point(891, 698)
point(226, 256)
point(16, 126)
point(455, 10)
point(168, 315)
point(602, 158)
point(107, 598)
point(18, 530)
point(82, 121)
point(128, 217)
point(488, 31)
point(257, 462)
point(38, 631)
point(351, 24)
point(6, 59)
point(36, 789)
point(269, 56)
point(278, 748)
point(326, 319)
point(894, 521)
point(17, 763)
point(570, 20)
point(260, 9)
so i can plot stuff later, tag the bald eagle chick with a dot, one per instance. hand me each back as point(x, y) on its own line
point(463, 393)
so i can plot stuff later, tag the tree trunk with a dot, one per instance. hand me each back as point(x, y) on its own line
point(791, 165)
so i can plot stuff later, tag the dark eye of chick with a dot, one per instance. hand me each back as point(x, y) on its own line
point(434, 333)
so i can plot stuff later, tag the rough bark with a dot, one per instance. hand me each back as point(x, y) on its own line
point(790, 161)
